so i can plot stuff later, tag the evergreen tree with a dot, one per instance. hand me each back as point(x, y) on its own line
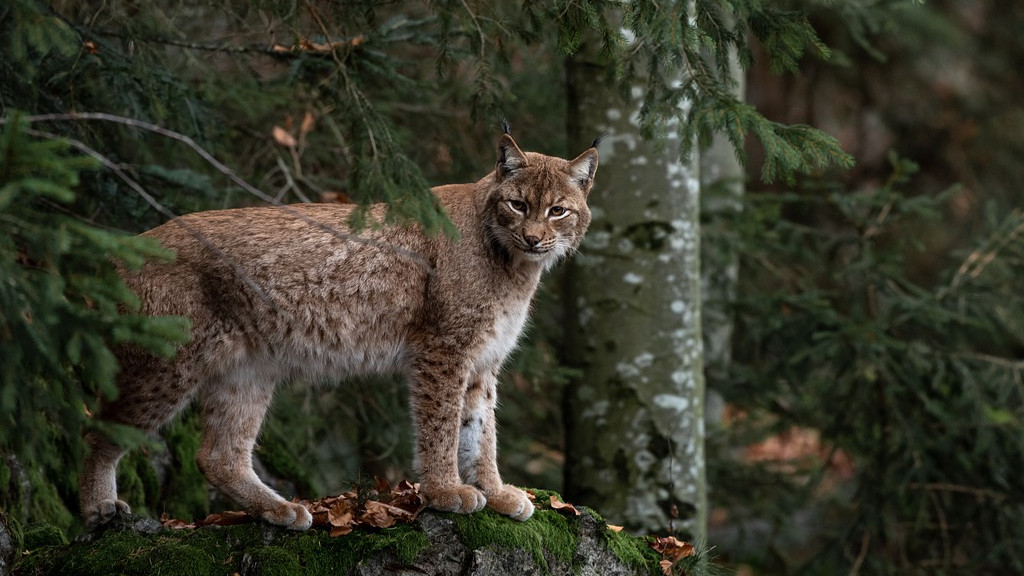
point(62, 305)
point(194, 106)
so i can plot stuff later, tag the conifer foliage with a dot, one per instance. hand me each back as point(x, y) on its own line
point(293, 101)
point(908, 390)
point(62, 305)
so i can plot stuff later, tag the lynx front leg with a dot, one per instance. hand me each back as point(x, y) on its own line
point(436, 393)
point(478, 461)
point(232, 414)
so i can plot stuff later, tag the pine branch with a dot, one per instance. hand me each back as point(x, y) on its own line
point(117, 171)
point(238, 181)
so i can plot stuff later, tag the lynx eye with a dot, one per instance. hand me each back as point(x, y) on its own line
point(518, 206)
point(557, 212)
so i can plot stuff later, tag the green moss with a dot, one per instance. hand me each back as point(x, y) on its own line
point(222, 551)
point(546, 530)
point(14, 528)
point(275, 452)
point(633, 551)
point(46, 503)
point(172, 559)
point(166, 554)
point(271, 561)
point(5, 475)
point(185, 484)
point(318, 553)
point(40, 535)
point(137, 482)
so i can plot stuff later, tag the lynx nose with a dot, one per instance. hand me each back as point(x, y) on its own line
point(531, 241)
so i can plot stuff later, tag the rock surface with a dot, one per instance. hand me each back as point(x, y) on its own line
point(482, 544)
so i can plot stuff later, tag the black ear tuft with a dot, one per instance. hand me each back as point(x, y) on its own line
point(505, 127)
point(582, 169)
point(597, 141)
point(510, 158)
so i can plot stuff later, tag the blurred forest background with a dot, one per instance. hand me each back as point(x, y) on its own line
point(863, 321)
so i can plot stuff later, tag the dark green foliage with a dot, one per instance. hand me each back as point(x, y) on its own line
point(62, 305)
point(914, 382)
point(404, 94)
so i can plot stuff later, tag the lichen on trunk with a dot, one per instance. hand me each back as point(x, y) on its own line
point(635, 443)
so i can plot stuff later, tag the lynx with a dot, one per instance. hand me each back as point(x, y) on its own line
point(280, 293)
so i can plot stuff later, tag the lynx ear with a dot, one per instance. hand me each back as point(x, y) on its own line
point(510, 158)
point(583, 168)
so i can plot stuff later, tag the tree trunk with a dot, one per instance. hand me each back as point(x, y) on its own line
point(635, 425)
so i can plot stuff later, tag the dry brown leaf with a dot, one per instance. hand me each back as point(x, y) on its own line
point(666, 567)
point(378, 515)
point(227, 518)
point(563, 507)
point(341, 513)
point(282, 137)
point(174, 523)
point(672, 550)
point(341, 530)
point(614, 528)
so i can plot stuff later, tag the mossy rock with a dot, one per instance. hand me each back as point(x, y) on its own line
point(481, 544)
point(39, 535)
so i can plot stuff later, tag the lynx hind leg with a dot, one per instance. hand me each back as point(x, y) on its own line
point(478, 452)
point(98, 489)
point(232, 414)
point(145, 403)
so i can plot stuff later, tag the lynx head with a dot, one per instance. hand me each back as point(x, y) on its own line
point(538, 204)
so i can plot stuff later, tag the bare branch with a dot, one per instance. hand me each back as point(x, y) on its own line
point(113, 167)
point(223, 169)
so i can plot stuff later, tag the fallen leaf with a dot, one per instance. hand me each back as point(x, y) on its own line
point(563, 507)
point(378, 515)
point(672, 548)
point(614, 528)
point(341, 530)
point(282, 137)
point(666, 567)
point(174, 523)
point(341, 513)
point(228, 518)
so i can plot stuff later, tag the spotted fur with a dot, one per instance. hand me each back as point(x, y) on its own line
point(275, 296)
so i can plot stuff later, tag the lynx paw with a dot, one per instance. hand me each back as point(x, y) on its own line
point(512, 502)
point(103, 512)
point(290, 515)
point(463, 499)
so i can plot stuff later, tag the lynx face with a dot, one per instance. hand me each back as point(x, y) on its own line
point(539, 206)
